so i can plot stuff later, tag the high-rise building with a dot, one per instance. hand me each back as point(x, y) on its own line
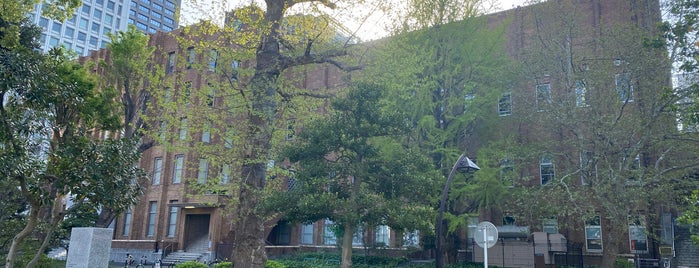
point(87, 29)
point(151, 16)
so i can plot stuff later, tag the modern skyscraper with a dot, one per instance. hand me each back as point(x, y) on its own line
point(151, 16)
point(87, 29)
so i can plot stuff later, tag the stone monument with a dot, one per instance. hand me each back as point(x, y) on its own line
point(89, 247)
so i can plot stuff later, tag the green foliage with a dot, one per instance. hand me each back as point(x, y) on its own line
point(225, 264)
point(191, 264)
point(691, 215)
point(623, 263)
point(274, 264)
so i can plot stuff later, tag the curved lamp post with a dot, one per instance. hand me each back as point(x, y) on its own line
point(464, 164)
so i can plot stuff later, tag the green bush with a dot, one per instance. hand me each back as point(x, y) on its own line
point(623, 263)
point(191, 264)
point(44, 261)
point(274, 264)
point(225, 264)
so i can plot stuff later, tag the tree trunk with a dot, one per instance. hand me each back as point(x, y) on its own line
point(249, 250)
point(17, 240)
point(105, 218)
point(347, 245)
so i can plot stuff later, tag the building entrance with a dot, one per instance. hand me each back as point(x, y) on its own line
point(196, 235)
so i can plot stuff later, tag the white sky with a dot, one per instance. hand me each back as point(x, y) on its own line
point(375, 27)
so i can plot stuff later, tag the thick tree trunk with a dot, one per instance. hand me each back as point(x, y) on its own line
point(105, 218)
point(249, 250)
point(347, 246)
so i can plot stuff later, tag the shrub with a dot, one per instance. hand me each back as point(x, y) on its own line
point(225, 264)
point(274, 264)
point(191, 264)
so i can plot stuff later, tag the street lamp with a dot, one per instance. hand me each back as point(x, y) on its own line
point(465, 164)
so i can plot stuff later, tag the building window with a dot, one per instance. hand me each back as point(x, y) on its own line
point(169, 4)
point(507, 172)
point(307, 234)
point(550, 225)
point(156, 15)
point(213, 58)
point(168, 20)
point(142, 17)
point(162, 135)
point(172, 219)
point(86, 9)
point(593, 234)
point(638, 239)
point(95, 27)
point(206, 132)
point(543, 96)
point(225, 174)
point(505, 104)
point(203, 173)
point(170, 62)
point(183, 128)
point(157, 170)
point(358, 236)
point(228, 139)
point(110, 5)
point(178, 169)
point(56, 28)
point(167, 12)
point(546, 169)
point(624, 87)
point(82, 36)
point(329, 237)
point(127, 222)
point(211, 96)
point(411, 239)
point(43, 22)
point(141, 25)
point(83, 23)
point(152, 211)
point(69, 32)
point(191, 56)
point(93, 41)
point(144, 9)
point(383, 236)
point(156, 6)
point(290, 129)
point(580, 94)
point(97, 14)
point(53, 42)
point(187, 91)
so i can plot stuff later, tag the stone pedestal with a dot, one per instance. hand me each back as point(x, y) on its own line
point(89, 247)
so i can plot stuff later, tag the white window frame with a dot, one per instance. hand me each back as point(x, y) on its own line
point(543, 96)
point(203, 171)
point(329, 237)
point(127, 222)
point(637, 233)
point(383, 235)
point(580, 94)
point(152, 213)
point(593, 235)
point(225, 174)
point(546, 162)
point(157, 170)
point(549, 225)
point(307, 234)
point(624, 86)
point(172, 219)
point(178, 169)
point(505, 104)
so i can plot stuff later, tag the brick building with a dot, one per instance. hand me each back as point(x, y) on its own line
point(172, 217)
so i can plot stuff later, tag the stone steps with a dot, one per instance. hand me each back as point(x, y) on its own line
point(181, 256)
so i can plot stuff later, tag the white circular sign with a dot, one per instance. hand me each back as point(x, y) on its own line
point(486, 235)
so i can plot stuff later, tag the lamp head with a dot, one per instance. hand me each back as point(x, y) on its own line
point(466, 165)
